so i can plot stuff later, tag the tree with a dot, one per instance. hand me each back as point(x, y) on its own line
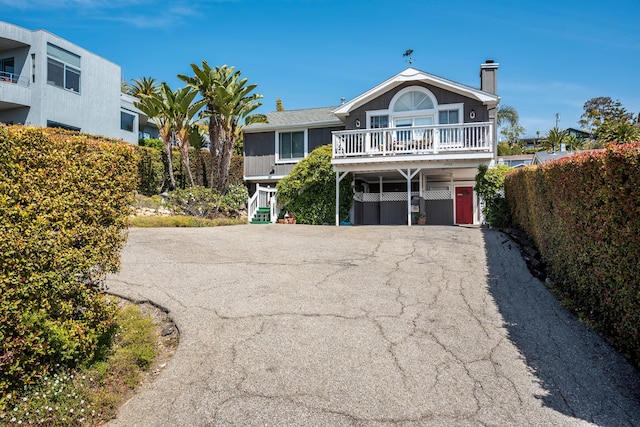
point(204, 81)
point(142, 86)
point(490, 187)
point(603, 109)
point(309, 189)
point(181, 111)
point(554, 138)
point(229, 103)
point(156, 106)
point(508, 120)
point(620, 132)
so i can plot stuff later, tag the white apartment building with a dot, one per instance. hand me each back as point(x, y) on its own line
point(50, 82)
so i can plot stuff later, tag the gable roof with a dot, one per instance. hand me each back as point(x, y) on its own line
point(414, 75)
point(545, 156)
point(309, 117)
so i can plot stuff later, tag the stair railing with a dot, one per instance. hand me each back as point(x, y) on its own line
point(263, 197)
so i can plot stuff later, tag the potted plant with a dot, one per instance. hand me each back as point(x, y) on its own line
point(281, 219)
point(421, 218)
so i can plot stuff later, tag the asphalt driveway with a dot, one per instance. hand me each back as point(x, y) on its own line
point(357, 326)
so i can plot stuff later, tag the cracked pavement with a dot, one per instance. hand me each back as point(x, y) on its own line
point(364, 326)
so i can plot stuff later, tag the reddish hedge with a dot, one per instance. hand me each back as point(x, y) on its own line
point(583, 212)
point(64, 202)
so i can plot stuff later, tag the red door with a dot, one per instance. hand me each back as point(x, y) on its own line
point(464, 205)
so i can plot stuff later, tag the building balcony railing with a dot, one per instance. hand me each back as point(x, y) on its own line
point(13, 79)
point(417, 140)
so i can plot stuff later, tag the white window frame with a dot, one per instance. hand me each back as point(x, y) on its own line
point(277, 144)
point(374, 113)
point(451, 107)
point(413, 114)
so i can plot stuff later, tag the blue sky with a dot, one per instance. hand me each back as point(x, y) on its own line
point(553, 56)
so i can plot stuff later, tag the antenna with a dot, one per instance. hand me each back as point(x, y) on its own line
point(407, 54)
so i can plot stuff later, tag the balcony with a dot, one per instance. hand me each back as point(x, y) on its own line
point(463, 141)
point(14, 91)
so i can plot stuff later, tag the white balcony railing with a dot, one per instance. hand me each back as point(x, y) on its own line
point(418, 140)
point(13, 79)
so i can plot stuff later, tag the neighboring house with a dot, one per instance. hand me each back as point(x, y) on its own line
point(544, 156)
point(516, 160)
point(580, 134)
point(413, 143)
point(48, 81)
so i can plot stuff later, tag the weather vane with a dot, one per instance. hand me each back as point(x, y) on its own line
point(407, 54)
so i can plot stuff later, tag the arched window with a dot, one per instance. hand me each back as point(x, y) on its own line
point(413, 101)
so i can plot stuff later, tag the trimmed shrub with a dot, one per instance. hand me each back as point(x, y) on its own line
point(309, 189)
point(64, 202)
point(583, 213)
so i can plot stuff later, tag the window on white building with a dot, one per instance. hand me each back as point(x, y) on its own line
point(63, 68)
point(127, 121)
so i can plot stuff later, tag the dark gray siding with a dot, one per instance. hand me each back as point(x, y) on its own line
point(442, 96)
point(321, 136)
point(259, 151)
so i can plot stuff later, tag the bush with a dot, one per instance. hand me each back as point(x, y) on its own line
point(154, 179)
point(583, 213)
point(309, 190)
point(150, 171)
point(490, 187)
point(195, 201)
point(236, 197)
point(64, 202)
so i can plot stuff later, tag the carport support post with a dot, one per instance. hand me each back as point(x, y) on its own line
point(409, 176)
point(338, 179)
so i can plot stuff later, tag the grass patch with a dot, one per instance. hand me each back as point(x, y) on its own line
point(181, 221)
point(91, 394)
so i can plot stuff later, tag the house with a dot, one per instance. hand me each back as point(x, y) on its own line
point(516, 160)
point(413, 144)
point(545, 156)
point(48, 81)
point(580, 134)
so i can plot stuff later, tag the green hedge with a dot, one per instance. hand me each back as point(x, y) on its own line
point(583, 212)
point(152, 165)
point(64, 202)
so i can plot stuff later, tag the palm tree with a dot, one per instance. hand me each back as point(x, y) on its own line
point(229, 104)
point(204, 81)
point(182, 110)
point(554, 138)
point(157, 107)
point(141, 87)
point(508, 119)
point(508, 115)
point(234, 104)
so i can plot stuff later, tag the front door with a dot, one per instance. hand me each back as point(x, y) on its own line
point(464, 205)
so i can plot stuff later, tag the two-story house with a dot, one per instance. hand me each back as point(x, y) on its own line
point(413, 144)
point(46, 80)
